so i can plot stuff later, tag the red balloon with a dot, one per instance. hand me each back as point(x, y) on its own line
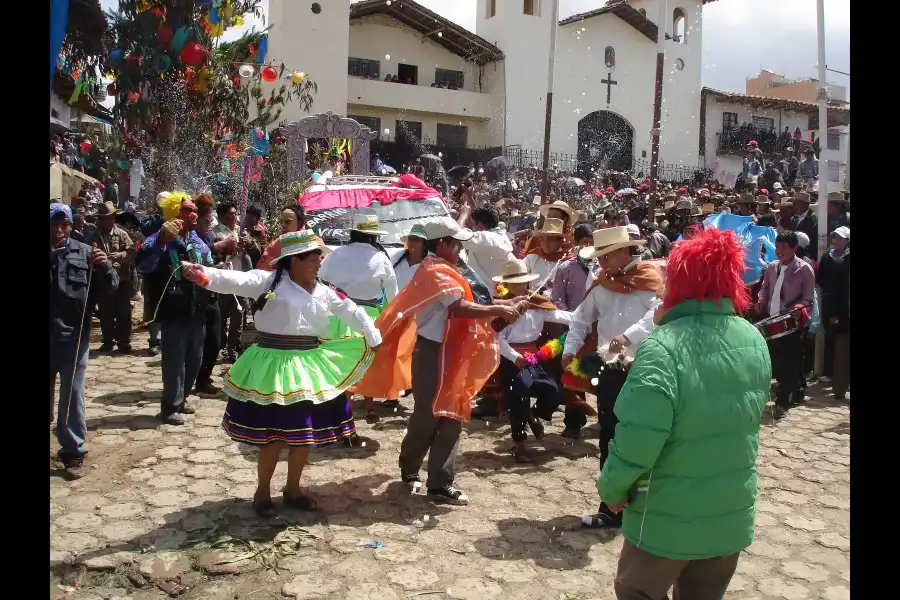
point(269, 74)
point(193, 54)
point(85, 147)
point(164, 34)
point(111, 89)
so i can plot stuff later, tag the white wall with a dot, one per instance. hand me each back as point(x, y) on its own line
point(480, 131)
point(314, 44)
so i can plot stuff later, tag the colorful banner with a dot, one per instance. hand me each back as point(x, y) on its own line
point(59, 18)
point(758, 240)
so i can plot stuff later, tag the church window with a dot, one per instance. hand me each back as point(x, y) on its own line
point(609, 57)
point(409, 132)
point(729, 120)
point(373, 123)
point(452, 136)
point(532, 7)
point(679, 31)
point(491, 8)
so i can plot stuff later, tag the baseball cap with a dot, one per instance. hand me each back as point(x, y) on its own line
point(58, 209)
point(447, 227)
point(633, 229)
point(802, 239)
point(843, 232)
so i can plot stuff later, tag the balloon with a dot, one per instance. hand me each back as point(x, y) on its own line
point(85, 147)
point(162, 62)
point(245, 71)
point(180, 39)
point(203, 79)
point(298, 77)
point(164, 34)
point(315, 177)
point(193, 54)
point(115, 56)
point(269, 74)
point(123, 164)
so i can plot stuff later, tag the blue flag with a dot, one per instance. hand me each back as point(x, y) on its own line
point(758, 240)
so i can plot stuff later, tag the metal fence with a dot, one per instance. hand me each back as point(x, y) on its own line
point(398, 153)
point(734, 140)
point(521, 158)
point(670, 171)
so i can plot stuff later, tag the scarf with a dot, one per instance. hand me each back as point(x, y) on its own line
point(534, 300)
point(469, 351)
point(532, 246)
point(644, 277)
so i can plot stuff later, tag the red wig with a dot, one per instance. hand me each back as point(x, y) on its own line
point(708, 266)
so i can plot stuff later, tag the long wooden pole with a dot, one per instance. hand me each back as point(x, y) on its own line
point(548, 115)
point(657, 102)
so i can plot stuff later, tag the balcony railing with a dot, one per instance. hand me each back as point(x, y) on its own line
point(734, 140)
point(420, 98)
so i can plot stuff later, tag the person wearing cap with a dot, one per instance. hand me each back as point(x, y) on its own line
point(621, 301)
point(180, 306)
point(363, 271)
point(455, 353)
point(547, 255)
point(807, 221)
point(288, 389)
point(490, 247)
point(682, 466)
point(787, 283)
point(523, 375)
point(413, 254)
point(79, 276)
point(115, 308)
point(751, 165)
point(833, 278)
point(808, 170)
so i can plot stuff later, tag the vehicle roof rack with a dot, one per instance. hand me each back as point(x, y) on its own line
point(380, 180)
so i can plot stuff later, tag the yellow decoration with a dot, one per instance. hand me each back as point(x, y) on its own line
point(203, 78)
point(228, 11)
point(217, 30)
point(143, 6)
point(171, 205)
point(298, 77)
point(238, 21)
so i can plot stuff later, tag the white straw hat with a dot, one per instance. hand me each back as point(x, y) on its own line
point(298, 242)
point(514, 271)
point(607, 240)
point(365, 223)
point(563, 206)
point(417, 231)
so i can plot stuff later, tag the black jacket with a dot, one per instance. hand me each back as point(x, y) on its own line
point(809, 226)
point(69, 292)
point(181, 299)
point(833, 279)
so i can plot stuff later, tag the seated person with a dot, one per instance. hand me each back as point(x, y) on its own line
point(521, 370)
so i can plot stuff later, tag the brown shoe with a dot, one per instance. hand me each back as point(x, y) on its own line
point(206, 388)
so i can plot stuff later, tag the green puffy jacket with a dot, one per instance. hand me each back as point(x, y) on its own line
point(686, 444)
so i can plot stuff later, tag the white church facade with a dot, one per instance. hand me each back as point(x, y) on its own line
point(409, 73)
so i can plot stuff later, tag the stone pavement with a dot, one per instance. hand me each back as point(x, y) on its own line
point(163, 511)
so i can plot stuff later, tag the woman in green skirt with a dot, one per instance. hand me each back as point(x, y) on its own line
point(288, 388)
point(363, 271)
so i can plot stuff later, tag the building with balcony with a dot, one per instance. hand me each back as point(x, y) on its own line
point(731, 120)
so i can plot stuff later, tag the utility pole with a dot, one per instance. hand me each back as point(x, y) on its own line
point(545, 183)
point(657, 101)
point(822, 97)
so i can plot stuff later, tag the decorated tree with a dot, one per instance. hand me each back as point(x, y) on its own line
point(188, 103)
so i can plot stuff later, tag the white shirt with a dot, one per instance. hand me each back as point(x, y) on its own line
point(235, 261)
point(487, 252)
point(528, 328)
point(543, 268)
point(293, 310)
point(430, 321)
point(361, 270)
point(615, 314)
point(404, 272)
point(775, 300)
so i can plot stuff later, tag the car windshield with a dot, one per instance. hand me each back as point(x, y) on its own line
point(333, 225)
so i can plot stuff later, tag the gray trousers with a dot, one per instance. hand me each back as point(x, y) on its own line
point(436, 436)
point(69, 361)
point(181, 344)
point(232, 321)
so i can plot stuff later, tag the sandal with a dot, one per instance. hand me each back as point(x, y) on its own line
point(372, 416)
point(300, 502)
point(264, 509)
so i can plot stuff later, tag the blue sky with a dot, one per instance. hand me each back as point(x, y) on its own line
point(740, 37)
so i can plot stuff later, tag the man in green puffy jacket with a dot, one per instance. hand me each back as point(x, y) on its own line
point(682, 464)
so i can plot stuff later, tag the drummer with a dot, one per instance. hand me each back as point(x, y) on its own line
point(787, 283)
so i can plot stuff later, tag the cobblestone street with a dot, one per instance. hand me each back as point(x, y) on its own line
point(163, 511)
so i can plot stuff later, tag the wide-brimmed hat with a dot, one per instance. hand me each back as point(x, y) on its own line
point(786, 204)
point(747, 199)
point(762, 200)
point(837, 197)
point(551, 227)
point(669, 205)
point(515, 271)
point(298, 242)
point(367, 224)
point(696, 212)
point(107, 209)
point(417, 231)
point(609, 240)
point(659, 212)
point(684, 204)
point(447, 227)
point(604, 203)
point(563, 206)
point(801, 197)
point(708, 208)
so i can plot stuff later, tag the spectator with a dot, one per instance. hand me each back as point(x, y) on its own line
point(115, 308)
point(212, 336)
point(833, 278)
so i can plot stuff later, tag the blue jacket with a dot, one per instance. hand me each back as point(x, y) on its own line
point(180, 299)
point(69, 292)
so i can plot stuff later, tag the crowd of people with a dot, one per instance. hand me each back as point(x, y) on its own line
point(620, 287)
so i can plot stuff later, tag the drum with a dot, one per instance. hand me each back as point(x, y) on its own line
point(778, 326)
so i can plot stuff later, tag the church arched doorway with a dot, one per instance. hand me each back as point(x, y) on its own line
point(605, 142)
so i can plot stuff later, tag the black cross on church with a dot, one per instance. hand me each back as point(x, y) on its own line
point(609, 83)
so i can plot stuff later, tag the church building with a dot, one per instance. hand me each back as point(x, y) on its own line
point(412, 75)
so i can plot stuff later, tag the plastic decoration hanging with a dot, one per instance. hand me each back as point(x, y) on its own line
point(164, 34)
point(193, 54)
point(85, 147)
point(269, 74)
point(115, 56)
point(298, 77)
point(246, 71)
point(262, 48)
point(259, 141)
point(203, 79)
point(162, 62)
point(180, 39)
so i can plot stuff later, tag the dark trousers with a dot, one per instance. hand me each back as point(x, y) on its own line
point(436, 436)
point(521, 386)
point(232, 321)
point(645, 576)
point(787, 366)
point(182, 350)
point(840, 361)
point(115, 316)
point(211, 340)
point(609, 383)
point(69, 361)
